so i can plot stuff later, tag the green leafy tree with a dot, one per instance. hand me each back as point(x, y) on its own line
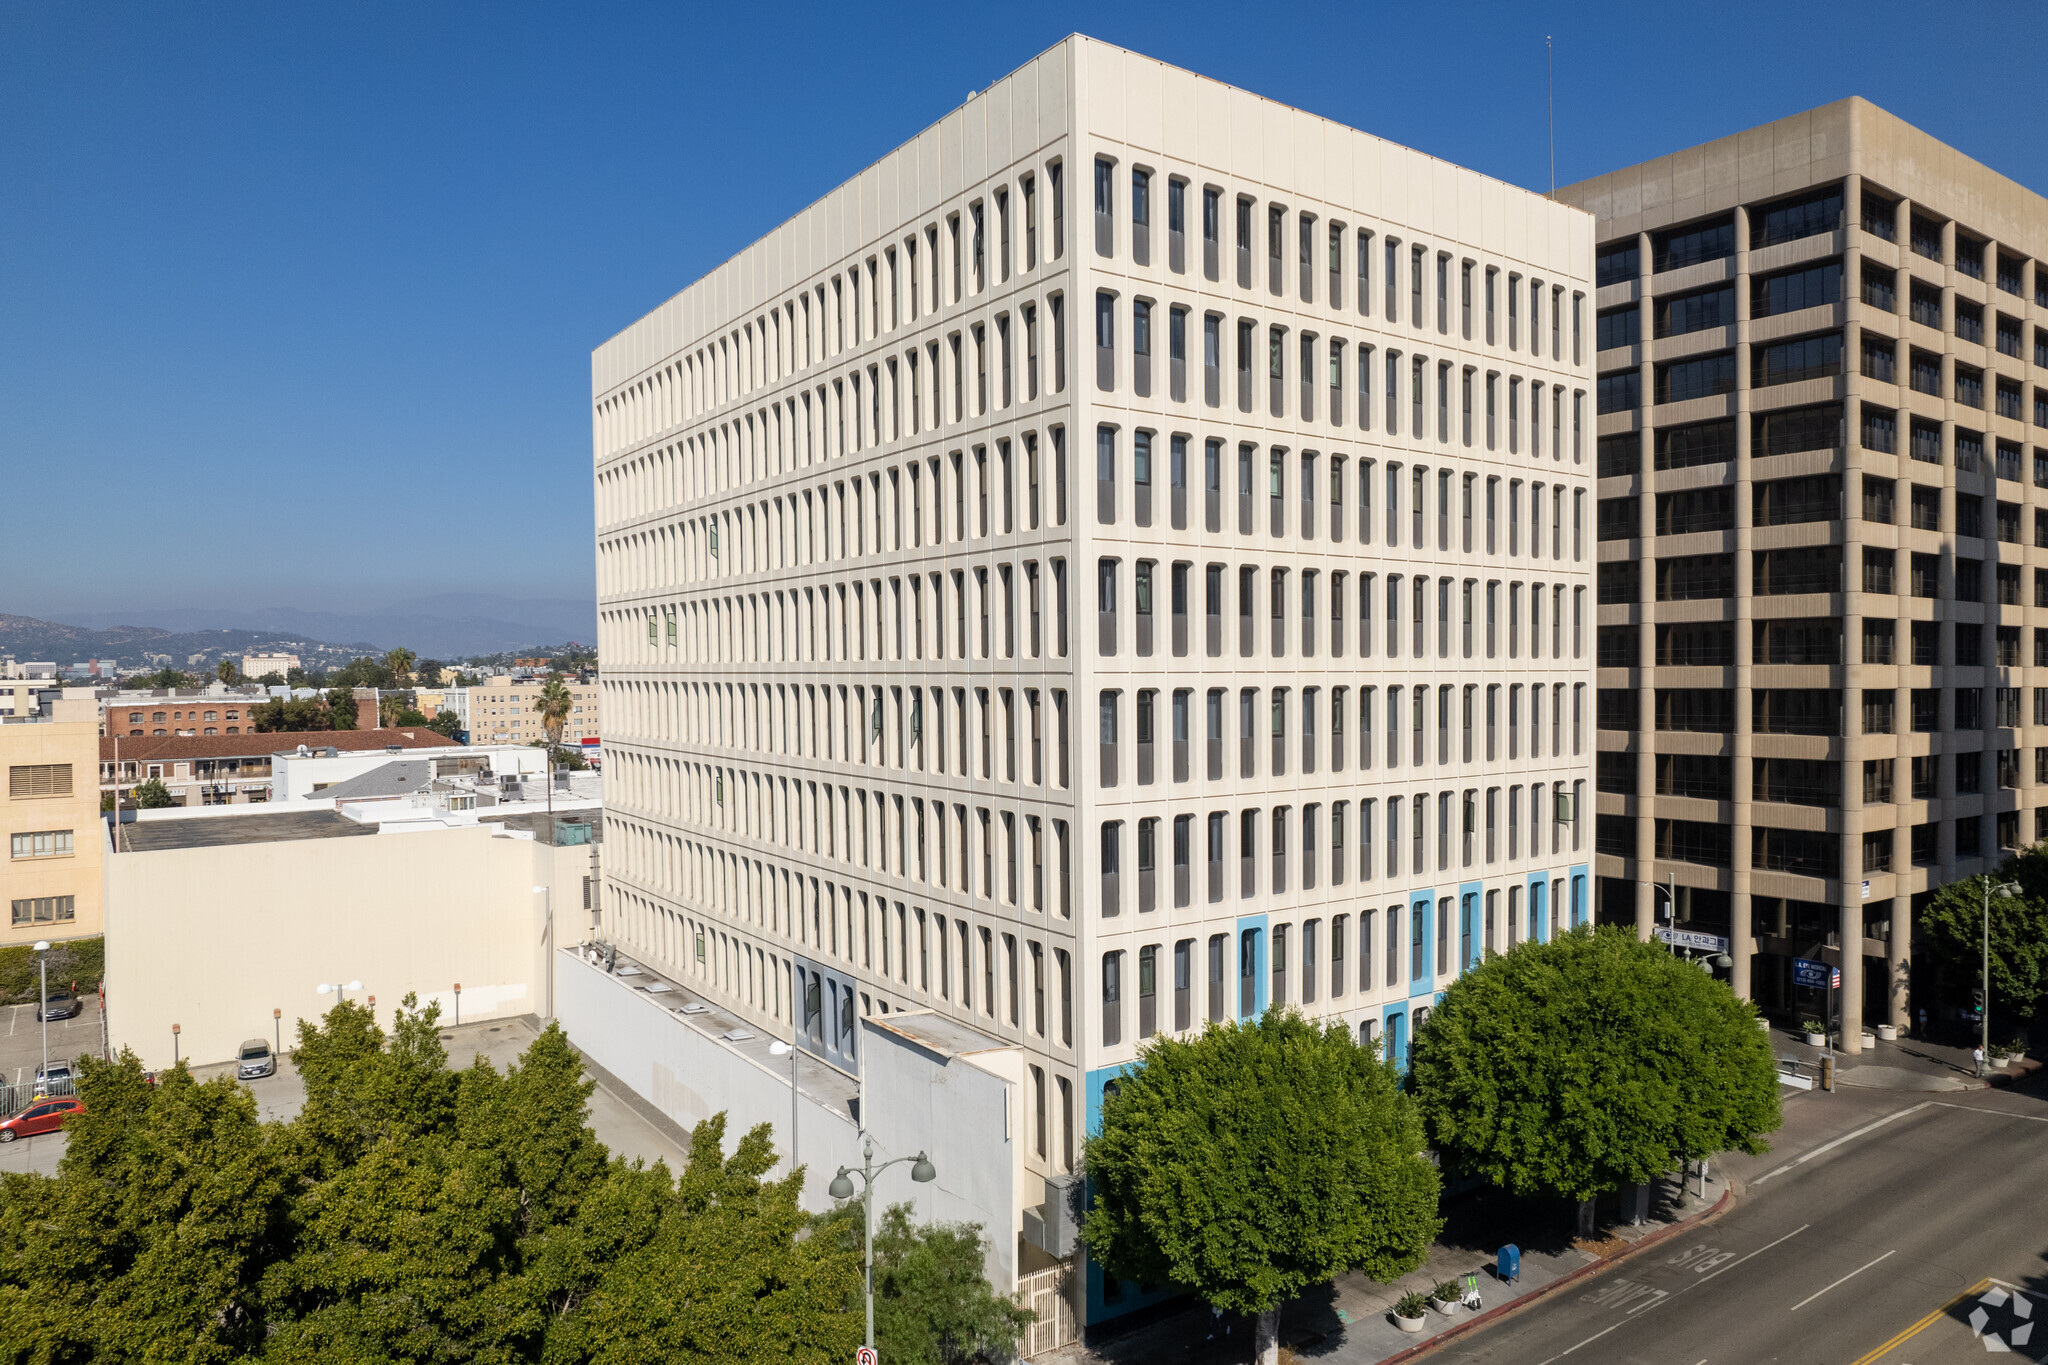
point(165, 677)
point(1253, 1161)
point(150, 1242)
point(569, 758)
point(1573, 1067)
point(445, 724)
point(341, 709)
point(469, 680)
point(1952, 928)
point(297, 677)
point(273, 678)
point(428, 672)
point(151, 795)
point(933, 1302)
point(363, 671)
point(284, 717)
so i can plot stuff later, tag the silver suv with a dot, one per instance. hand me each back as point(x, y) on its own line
point(255, 1059)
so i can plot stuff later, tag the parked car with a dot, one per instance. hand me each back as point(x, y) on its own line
point(60, 1004)
point(255, 1059)
point(44, 1116)
point(54, 1076)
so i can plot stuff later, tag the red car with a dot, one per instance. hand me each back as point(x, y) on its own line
point(44, 1116)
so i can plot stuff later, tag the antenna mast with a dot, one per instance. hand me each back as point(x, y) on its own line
point(1550, 82)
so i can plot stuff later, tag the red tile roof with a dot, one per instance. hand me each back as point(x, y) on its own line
point(159, 748)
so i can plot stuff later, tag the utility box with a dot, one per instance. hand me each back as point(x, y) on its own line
point(1507, 1264)
point(1061, 1215)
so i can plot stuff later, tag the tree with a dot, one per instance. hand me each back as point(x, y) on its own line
point(363, 671)
point(428, 673)
point(399, 662)
point(280, 716)
point(165, 677)
point(445, 724)
point(1252, 1161)
point(570, 758)
point(933, 1302)
point(1573, 1067)
point(297, 677)
point(468, 680)
point(274, 678)
point(341, 709)
point(1952, 924)
point(553, 704)
point(226, 671)
point(152, 795)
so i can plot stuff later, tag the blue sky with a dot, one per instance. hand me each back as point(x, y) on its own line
point(296, 302)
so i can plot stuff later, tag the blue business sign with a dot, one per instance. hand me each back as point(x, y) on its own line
point(1814, 974)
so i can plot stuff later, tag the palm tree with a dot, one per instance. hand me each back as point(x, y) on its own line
point(400, 662)
point(553, 705)
point(226, 671)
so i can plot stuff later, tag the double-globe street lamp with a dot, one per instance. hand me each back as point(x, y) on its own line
point(923, 1172)
point(342, 990)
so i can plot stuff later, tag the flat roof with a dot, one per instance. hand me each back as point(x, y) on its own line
point(270, 827)
point(936, 1033)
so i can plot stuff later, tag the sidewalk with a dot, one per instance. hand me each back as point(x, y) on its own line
point(1908, 1064)
point(1348, 1322)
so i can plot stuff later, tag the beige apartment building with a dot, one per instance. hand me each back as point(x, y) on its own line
point(1823, 461)
point(499, 710)
point(50, 818)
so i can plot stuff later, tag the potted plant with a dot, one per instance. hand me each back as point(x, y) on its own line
point(1410, 1311)
point(1888, 1032)
point(1816, 1032)
point(2000, 1055)
point(1444, 1298)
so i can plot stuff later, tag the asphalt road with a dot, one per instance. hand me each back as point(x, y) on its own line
point(1877, 1246)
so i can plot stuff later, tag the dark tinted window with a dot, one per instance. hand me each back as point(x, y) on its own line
point(1790, 219)
point(1690, 245)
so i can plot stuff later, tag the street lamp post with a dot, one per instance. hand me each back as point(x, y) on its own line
point(779, 1048)
point(277, 1027)
point(43, 1009)
point(841, 1188)
point(547, 905)
point(1984, 1036)
point(342, 990)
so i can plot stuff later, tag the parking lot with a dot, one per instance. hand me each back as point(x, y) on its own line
point(626, 1128)
point(21, 1037)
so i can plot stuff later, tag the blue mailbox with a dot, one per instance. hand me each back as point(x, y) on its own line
point(1507, 1264)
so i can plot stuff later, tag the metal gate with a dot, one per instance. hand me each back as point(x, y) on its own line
point(1049, 1293)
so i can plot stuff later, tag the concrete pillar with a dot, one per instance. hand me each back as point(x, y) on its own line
point(1647, 895)
point(1853, 821)
point(1851, 935)
point(1741, 932)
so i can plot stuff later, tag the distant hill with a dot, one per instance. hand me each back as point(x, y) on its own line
point(440, 626)
point(137, 647)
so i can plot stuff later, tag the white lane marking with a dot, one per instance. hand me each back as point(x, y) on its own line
point(1688, 1289)
point(1844, 1280)
point(1827, 1147)
point(1978, 1109)
point(13, 1021)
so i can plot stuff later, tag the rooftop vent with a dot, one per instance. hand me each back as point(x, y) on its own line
point(394, 748)
point(737, 1035)
point(331, 752)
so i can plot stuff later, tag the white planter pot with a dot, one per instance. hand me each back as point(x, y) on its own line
point(1869, 1038)
point(1888, 1033)
point(1815, 1039)
point(1408, 1324)
point(1763, 1025)
point(2000, 1063)
point(1449, 1310)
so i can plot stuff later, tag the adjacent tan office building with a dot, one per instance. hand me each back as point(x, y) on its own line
point(50, 817)
point(1824, 505)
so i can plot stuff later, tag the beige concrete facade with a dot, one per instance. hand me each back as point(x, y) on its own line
point(1122, 560)
point(212, 937)
point(1824, 597)
point(500, 710)
point(54, 837)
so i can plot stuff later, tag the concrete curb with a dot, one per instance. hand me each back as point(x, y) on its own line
point(1584, 1272)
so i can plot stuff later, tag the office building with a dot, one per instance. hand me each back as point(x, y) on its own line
point(56, 839)
point(259, 665)
point(1822, 471)
point(1123, 560)
point(203, 770)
